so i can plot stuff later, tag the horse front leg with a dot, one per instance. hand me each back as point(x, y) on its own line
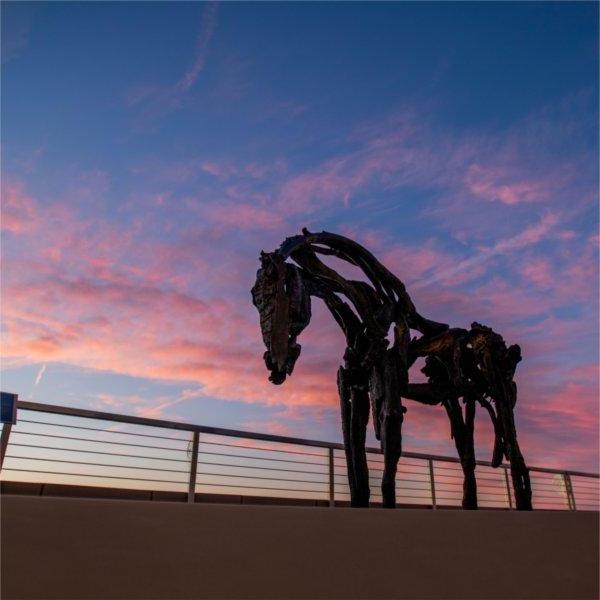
point(354, 403)
point(392, 415)
point(391, 442)
point(346, 411)
point(358, 435)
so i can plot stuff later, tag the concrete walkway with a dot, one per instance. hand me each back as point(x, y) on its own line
point(86, 548)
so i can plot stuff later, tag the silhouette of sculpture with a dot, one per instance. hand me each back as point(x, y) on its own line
point(474, 365)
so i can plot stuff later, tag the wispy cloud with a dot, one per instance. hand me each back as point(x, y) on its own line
point(207, 28)
point(19, 212)
point(17, 21)
point(157, 100)
point(530, 235)
point(161, 290)
point(40, 374)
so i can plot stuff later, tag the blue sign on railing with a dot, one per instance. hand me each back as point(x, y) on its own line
point(8, 408)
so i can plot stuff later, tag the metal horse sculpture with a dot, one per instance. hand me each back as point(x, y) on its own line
point(474, 364)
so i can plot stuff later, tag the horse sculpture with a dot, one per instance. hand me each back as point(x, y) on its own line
point(473, 364)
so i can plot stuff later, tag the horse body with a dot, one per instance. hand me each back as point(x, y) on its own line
point(374, 376)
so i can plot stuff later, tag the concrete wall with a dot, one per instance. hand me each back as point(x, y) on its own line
point(89, 548)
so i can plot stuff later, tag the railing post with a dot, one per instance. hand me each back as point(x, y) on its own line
point(193, 467)
point(432, 484)
point(331, 479)
point(508, 491)
point(6, 427)
point(8, 417)
point(570, 494)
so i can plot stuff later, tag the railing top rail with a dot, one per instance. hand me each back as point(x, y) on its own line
point(267, 437)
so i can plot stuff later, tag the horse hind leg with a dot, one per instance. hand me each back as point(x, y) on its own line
point(463, 440)
point(468, 458)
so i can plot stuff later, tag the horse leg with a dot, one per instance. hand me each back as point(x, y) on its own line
point(468, 459)
point(392, 415)
point(518, 469)
point(346, 410)
point(391, 441)
point(520, 478)
point(354, 403)
point(464, 446)
point(359, 418)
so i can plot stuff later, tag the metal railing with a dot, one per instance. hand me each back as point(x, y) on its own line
point(57, 444)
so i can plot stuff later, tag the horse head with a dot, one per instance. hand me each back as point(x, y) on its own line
point(283, 304)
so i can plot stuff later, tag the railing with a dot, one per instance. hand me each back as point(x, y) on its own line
point(56, 444)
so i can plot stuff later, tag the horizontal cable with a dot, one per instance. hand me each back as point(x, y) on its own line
point(556, 498)
point(66, 437)
point(88, 475)
point(482, 488)
point(454, 469)
point(375, 493)
point(341, 460)
point(548, 486)
point(99, 452)
point(76, 462)
point(536, 481)
point(426, 501)
point(264, 478)
point(440, 475)
point(294, 462)
point(337, 477)
point(451, 497)
point(160, 437)
point(400, 470)
point(324, 456)
point(263, 468)
point(253, 487)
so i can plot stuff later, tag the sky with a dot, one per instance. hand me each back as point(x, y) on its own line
point(151, 150)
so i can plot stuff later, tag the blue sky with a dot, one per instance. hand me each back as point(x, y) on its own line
point(151, 150)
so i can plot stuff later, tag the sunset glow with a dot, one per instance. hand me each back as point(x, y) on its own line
point(151, 150)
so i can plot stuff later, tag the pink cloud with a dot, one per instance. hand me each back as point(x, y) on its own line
point(20, 212)
point(539, 272)
point(243, 216)
point(120, 297)
point(269, 426)
point(495, 185)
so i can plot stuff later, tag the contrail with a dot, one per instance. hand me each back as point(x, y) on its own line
point(530, 235)
point(39, 376)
